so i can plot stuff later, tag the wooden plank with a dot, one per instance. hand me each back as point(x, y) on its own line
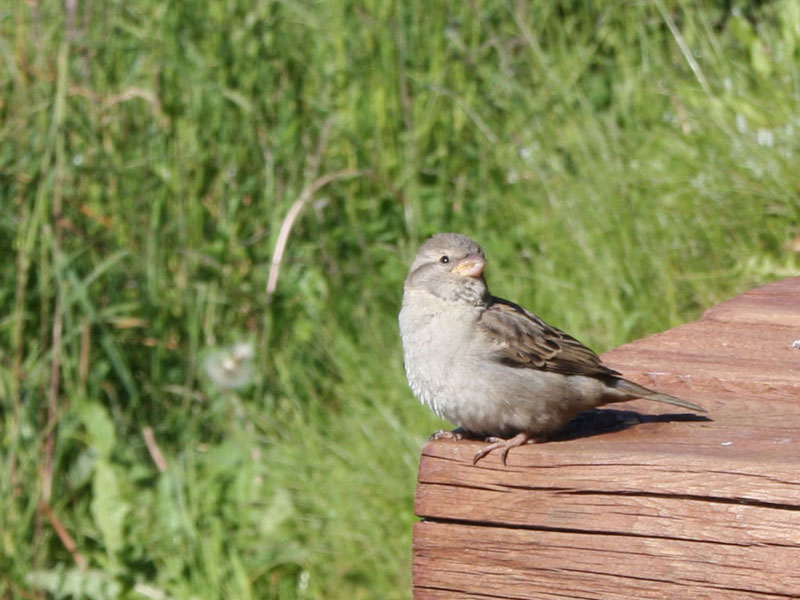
point(639, 501)
point(756, 356)
point(679, 518)
point(774, 303)
point(466, 561)
point(665, 493)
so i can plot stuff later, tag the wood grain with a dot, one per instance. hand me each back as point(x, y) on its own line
point(491, 562)
point(639, 501)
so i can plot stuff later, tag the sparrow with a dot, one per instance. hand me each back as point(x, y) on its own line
point(490, 366)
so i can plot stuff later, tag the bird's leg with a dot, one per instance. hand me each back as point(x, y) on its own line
point(456, 434)
point(496, 443)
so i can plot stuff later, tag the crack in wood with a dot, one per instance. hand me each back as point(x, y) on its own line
point(474, 594)
point(757, 475)
point(517, 526)
point(690, 497)
point(508, 488)
point(749, 591)
point(503, 489)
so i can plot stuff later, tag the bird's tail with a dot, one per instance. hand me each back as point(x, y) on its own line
point(639, 391)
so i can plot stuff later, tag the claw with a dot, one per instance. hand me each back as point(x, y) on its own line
point(497, 443)
point(442, 434)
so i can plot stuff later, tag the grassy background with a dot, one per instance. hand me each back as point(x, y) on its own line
point(624, 164)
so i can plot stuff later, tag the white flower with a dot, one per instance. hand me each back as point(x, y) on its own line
point(232, 367)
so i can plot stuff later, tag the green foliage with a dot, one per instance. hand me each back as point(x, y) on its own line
point(625, 165)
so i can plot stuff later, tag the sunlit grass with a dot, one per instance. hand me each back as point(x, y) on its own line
point(624, 167)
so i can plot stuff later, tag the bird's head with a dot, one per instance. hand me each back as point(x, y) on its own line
point(450, 266)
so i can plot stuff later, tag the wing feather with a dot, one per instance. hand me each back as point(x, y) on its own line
point(523, 340)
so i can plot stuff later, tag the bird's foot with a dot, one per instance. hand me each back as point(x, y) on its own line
point(497, 443)
point(456, 434)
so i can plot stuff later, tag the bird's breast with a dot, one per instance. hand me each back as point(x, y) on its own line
point(436, 340)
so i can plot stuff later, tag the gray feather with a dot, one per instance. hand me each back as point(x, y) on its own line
point(639, 391)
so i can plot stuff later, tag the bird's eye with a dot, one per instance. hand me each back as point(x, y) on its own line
point(444, 260)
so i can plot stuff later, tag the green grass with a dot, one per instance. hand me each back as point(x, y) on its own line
point(624, 166)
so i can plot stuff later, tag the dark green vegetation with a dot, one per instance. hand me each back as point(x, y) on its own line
point(623, 166)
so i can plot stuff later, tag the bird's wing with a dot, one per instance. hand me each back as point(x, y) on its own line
point(523, 340)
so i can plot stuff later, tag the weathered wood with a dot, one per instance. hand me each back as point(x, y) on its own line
point(490, 562)
point(639, 502)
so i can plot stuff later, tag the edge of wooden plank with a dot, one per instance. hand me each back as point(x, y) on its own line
point(527, 564)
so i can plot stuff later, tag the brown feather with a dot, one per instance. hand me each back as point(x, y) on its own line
point(525, 341)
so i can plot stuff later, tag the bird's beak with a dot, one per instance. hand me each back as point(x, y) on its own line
point(471, 266)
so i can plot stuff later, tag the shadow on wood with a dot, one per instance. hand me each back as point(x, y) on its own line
point(640, 502)
point(608, 420)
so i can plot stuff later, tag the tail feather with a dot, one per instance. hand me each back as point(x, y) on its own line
point(639, 391)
